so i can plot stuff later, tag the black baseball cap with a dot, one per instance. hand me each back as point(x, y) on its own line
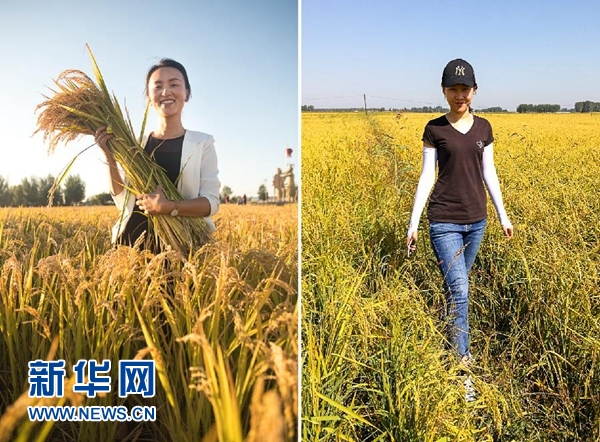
point(458, 72)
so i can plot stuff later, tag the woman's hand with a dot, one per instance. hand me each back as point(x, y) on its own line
point(102, 137)
point(508, 231)
point(411, 241)
point(155, 203)
point(158, 204)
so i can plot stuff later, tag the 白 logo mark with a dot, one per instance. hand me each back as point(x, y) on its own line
point(460, 70)
point(480, 144)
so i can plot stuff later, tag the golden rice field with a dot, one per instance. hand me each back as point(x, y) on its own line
point(221, 325)
point(374, 364)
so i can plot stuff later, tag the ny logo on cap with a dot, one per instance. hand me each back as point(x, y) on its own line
point(460, 70)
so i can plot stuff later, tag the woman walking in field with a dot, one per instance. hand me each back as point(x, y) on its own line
point(188, 157)
point(461, 144)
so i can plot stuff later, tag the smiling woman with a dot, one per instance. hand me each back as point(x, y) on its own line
point(81, 106)
point(188, 158)
point(461, 145)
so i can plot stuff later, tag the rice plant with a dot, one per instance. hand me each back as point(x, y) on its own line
point(375, 364)
point(222, 325)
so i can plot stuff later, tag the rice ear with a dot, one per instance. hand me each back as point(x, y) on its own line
point(82, 114)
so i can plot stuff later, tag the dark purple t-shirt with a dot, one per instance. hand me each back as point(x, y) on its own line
point(459, 194)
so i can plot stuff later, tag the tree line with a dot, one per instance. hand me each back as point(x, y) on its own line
point(587, 106)
point(35, 191)
point(537, 108)
point(580, 106)
point(226, 194)
point(493, 110)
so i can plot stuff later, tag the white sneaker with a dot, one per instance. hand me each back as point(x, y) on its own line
point(470, 392)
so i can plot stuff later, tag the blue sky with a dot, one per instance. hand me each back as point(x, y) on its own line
point(241, 57)
point(522, 51)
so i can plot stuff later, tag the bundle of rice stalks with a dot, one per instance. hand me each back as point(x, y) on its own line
point(80, 106)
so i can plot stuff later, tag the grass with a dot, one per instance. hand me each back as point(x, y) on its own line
point(222, 326)
point(374, 363)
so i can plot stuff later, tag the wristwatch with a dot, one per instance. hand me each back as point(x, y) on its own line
point(175, 211)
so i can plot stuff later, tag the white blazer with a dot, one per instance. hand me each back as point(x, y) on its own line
point(198, 177)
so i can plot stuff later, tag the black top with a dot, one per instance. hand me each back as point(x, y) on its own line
point(459, 193)
point(167, 154)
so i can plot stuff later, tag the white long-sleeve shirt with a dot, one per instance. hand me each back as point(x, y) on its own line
point(427, 180)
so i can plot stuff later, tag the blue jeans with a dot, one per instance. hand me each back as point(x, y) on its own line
point(455, 247)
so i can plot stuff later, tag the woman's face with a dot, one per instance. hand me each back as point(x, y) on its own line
point(167, 92)
point(459, 97)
